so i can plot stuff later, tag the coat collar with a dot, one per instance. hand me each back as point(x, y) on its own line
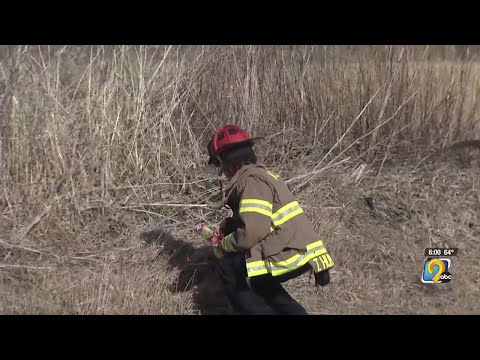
point(233, 182)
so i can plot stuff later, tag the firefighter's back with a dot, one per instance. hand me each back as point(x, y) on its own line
point(290, 225)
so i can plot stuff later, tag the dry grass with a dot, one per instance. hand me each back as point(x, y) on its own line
point(99, 144)
point(380, 254)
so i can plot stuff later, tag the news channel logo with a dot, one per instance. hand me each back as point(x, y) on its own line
point(436, 271)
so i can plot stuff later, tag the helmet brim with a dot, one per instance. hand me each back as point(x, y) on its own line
point(249, 142)
point(213, 160)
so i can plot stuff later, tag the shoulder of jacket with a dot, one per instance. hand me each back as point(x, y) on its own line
point(258, 172)
point(266, 174)
point(257, 175)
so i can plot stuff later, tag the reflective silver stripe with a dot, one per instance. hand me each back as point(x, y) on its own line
point(256, 268)
point(295, 264)
point(285, 215)
point(258, 206)
point(281, 267)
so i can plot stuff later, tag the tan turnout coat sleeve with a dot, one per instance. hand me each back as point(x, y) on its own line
point(254, 212)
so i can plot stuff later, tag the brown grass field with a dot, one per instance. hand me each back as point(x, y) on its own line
point(103, 172)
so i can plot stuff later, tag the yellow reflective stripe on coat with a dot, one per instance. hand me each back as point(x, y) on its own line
point(287, 212)
point(314, 250)
point(323, 262)
point(275, 176)
point(256, 205)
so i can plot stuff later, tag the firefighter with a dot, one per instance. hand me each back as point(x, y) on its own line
point(268, 240)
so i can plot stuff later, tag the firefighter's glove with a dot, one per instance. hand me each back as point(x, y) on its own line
point(225, 245)
point(322, 278)
point(228, 243)
point(218, 252)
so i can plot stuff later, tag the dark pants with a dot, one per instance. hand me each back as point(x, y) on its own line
point(264, 295)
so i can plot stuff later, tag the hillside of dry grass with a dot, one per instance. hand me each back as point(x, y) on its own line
point(102, 150)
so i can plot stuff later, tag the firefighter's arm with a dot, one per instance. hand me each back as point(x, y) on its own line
point(255, 212)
